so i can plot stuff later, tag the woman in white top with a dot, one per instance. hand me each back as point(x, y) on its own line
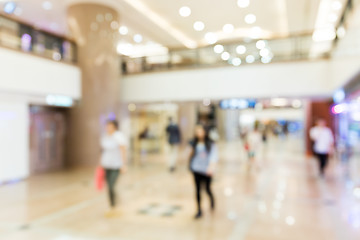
point(113, 157)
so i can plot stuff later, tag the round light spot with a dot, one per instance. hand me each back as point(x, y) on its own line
point(236, 62)
point(260, 44)
point(138, 38)
point(211, 38)
point(123, 30)
point(132, 107)
point(250, 18)
point(228, 28)
point(264, 52)
point(250, 59)
point(199, 26)
point(290, 220)
point(185, 11)
point(218, 48)
point(47, 5)
point(243, 3)
point(241, 49)
point(225, 56)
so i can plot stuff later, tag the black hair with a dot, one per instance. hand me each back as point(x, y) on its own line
point(207, 141)
point(115, 123)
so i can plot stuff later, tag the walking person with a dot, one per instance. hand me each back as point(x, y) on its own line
point(323, 143)
point(253, 143)
point(113, 158)
point(203, 161)
point(174, 139)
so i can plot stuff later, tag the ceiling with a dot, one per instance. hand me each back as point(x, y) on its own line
point(159, 20)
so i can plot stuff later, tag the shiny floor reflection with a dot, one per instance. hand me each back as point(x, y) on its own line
point(279, 197)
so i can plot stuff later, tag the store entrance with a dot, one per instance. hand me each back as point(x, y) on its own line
point(47, 139)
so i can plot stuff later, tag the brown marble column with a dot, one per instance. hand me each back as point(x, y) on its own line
point(316, 110)
point(94, 28)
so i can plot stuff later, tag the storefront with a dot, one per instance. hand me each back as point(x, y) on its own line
point(347, 122)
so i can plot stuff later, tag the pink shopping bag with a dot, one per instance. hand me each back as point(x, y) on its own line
point(99, 178)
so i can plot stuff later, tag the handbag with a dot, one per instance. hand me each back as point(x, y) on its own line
point(99, 178)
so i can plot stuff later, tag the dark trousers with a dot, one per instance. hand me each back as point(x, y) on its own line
point(111, 177)
point(201, 181)
point(323, 159)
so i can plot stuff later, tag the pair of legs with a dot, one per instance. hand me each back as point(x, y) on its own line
point(201, 181)
point(111, 178)
point(174, 149)
point(323, 159)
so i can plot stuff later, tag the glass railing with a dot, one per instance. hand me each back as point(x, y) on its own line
point(25, 38)
point(253, 51)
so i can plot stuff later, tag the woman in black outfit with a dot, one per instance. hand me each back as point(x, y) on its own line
point(202, 164)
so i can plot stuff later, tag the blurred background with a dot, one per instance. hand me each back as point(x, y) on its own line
point(69, 66)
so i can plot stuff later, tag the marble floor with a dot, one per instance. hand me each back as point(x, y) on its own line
point(279, 197)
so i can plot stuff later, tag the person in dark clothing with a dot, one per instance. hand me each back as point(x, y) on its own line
point(174, 139)
point(202, 164)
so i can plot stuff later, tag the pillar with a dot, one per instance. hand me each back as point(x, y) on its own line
point(94, 28)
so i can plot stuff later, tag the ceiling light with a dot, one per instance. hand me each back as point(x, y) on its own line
point(243, 3)
point(256, 32)
point(18, 11)
point(260, 44)
point(250, 18)
point(9, 7)
point(236, 62)
point(326, 34)
point(114, 25)
point(125, 49)
point(228, 28)
point(225, 56)
point(123, 30)
point(185, 11)
point(290, 220)
point(266, 59)
point(333, 17)
point(250, 59)
point(162, 22)
point(264, 52)
point(336, 5)
point(199, 26)
point(218, 48)
point(138, 38)
point(211, 38)
point(47, 5)
point(241, 49)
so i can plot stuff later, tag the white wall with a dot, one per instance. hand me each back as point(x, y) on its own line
point(24, 80)
point(14, 140)
point(295, 79)
point(26, 74)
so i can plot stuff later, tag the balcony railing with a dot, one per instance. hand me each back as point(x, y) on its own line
point(26, 38)
point(253, 51)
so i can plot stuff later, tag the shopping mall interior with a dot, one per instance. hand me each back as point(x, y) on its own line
point(191, 120)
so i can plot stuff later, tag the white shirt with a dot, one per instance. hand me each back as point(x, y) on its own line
point(111, 157)
point(254, 140)
point(323, 138)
